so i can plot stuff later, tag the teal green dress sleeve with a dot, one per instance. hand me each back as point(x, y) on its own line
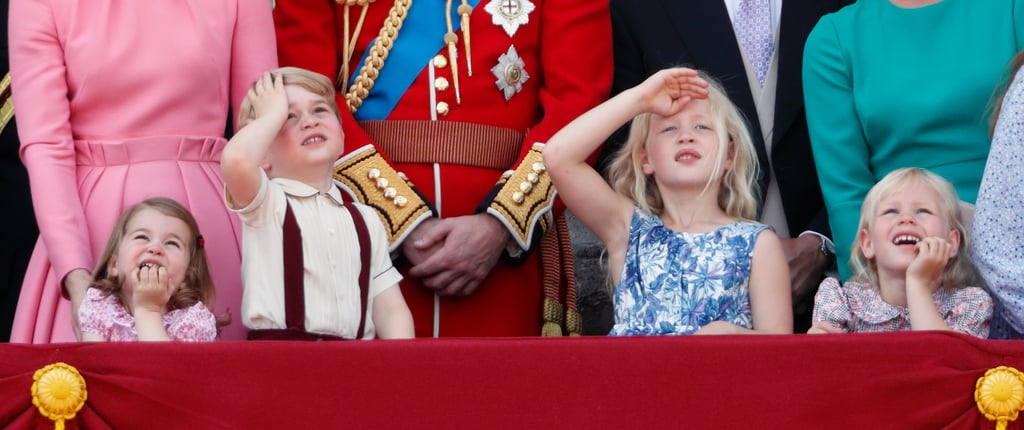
point(887, 87)
point(839, 147)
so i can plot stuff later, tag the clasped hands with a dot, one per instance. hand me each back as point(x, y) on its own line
point(452, 256)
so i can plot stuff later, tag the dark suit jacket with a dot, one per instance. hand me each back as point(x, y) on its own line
point(17, 223)
point(650, 35)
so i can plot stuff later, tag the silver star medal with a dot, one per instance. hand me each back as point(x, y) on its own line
point(511, 73)
point(509, 14)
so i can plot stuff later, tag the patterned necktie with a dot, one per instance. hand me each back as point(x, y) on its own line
point(753, 25)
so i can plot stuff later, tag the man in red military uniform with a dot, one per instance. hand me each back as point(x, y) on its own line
point(451, 105)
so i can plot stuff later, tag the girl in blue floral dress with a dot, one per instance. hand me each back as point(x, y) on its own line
point(677, 217)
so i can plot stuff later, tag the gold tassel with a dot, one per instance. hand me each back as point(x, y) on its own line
point(551, 329)
point(573, 322)
point(551, 273)
point(573, 319)
point(552, 318)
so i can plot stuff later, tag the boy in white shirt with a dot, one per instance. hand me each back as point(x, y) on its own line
point(313, 267)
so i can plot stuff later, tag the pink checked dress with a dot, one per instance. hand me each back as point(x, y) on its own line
point(117, 101)
point(103, 315)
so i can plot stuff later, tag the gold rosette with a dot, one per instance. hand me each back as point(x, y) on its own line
point(1000, 395)
point(58, 391)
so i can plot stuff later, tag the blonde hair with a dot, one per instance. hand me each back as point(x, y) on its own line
point(959, 270)
point(738, 194)
point(310, 81)
point(198, 283)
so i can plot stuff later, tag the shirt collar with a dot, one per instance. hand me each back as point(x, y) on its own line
point(302, 189)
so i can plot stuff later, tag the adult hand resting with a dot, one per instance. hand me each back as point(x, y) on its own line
point(77, 283)
point(806, 265)
point(453, 255)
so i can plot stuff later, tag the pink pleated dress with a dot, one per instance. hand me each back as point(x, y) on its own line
point(118, 101)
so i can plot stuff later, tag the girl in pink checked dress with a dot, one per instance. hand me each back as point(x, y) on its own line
point(152, 282)
point(910, 269)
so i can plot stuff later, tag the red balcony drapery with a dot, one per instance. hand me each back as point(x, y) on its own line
point(858, 381)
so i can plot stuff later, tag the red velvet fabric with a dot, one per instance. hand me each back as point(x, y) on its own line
point(856, 381)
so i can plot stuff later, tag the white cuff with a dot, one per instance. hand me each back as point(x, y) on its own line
point(826, 243)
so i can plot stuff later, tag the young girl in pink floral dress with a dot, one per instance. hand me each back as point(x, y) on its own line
point(152, 282)
point(910, 269)
point(119, 101)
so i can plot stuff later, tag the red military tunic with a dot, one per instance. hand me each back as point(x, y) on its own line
point(536, 66)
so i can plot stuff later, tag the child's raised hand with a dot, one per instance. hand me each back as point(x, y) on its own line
point(151, 289)
point(668, 91)
point(268, 97)
point(933, 253)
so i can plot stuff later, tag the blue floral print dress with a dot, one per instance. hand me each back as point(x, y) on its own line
point(676, 282)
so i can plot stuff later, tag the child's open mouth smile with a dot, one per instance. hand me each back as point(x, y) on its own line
point(318, 138)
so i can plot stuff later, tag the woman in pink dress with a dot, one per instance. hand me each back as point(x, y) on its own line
point(118, 101)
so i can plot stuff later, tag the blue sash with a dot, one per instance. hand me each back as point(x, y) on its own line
point(422, 32)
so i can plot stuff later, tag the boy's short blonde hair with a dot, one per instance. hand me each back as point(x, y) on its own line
point(311, 81)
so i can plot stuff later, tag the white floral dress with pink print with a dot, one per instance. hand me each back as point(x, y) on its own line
point(858, 307)
point(102, 315)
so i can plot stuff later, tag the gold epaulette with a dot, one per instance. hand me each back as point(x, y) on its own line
point(525, 198)
point(372, 181)
point(6, 102)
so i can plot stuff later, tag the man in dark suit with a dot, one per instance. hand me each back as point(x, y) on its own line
point(651, 35)
point(17, 222)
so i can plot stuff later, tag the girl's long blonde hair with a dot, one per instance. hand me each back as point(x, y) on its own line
point(738, 194)
point(959, 270)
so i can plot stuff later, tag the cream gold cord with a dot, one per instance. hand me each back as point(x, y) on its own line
point(378, 53)
point(349, 40)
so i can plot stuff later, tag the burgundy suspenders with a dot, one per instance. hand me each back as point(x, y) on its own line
point(294, 282)
point(364, 261)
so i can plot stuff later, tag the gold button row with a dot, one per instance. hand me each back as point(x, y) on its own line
point(390, 193)
point(526, 186)
point(441, 84)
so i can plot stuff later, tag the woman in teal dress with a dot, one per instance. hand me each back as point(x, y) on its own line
point(901, 83)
